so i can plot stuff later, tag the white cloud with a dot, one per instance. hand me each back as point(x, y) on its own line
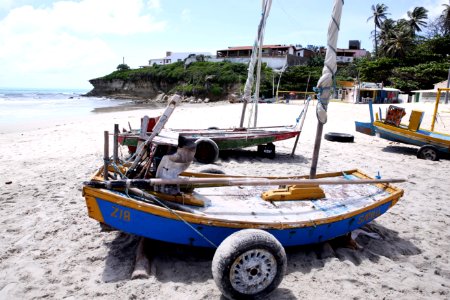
point(69, 37)
point(87, 17)
point(435, 8)
point(186, 15)
point(153, 4)
point(6, 4)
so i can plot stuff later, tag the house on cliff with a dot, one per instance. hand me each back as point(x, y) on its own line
point(172, 57)
point(275, 56)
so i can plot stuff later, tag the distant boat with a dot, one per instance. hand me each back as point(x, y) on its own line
point(432, 144)
point(212, 140)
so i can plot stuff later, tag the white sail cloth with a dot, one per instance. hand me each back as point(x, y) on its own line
point(330, 66)
point(258, 43)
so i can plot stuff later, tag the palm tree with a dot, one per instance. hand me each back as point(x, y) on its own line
point(399, 42)
point(386, 30)
point(379, 14)
point(416, 19)
point(445, 19)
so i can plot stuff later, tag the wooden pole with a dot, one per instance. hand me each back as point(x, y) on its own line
point(301, 126)
point(448, 86)
point(231, 181)
point(116, 144)
point(106, 155)
point(436, 104)
point(156, 130)
point(326, 80)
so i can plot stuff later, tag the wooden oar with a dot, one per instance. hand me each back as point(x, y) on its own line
point(230, 181)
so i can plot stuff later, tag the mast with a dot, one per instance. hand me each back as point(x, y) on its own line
point(266, 4)
point(326, 80)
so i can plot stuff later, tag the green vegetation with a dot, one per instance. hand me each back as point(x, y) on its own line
point(402, 59)
point(123, 67)
point(200, 78)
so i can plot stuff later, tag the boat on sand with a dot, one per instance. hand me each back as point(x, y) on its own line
point(248, 220)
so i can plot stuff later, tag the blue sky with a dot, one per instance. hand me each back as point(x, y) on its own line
point(63, 44)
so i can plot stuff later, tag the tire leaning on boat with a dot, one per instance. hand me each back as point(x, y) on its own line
point(428, 152)
point(207, 151)
point(249, 263)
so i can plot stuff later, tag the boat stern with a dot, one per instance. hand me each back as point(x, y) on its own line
point(93, 209)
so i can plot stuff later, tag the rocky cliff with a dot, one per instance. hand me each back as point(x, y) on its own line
point(150, 91)
point(118, 88)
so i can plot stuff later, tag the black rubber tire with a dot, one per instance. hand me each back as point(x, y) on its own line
point(250, 255)
point(428, 152)
point(212, 171)
point(207, 151)
point(339, 137)
point(266, 151)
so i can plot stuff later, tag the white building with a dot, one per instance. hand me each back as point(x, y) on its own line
point(429, 95)
point(172, 57)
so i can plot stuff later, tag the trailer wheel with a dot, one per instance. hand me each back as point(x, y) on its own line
point(339, 137)
point(428, 152)
point(266, 151)
point(207, 151)
point(249, 263)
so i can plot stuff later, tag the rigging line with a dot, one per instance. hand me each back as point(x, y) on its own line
point(292, 18)
point(184, 221)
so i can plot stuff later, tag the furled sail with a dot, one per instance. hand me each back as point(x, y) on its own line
point(326, 80)
point(255, 57)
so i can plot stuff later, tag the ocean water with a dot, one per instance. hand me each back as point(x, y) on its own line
point(21, 106)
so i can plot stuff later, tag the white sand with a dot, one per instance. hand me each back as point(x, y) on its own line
point(49, 248)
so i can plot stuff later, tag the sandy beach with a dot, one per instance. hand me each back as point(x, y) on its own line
point(51, 249)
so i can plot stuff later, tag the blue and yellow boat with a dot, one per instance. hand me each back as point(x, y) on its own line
point(432, 144)
point(248, 219)
point(207, 215)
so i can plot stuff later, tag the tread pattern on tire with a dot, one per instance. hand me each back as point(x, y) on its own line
point(238, 243)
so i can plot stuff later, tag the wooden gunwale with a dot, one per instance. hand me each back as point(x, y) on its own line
point(395, 194)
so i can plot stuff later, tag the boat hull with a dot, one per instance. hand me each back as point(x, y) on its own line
point(419, 138)
point(226, 139)
point(198, 229)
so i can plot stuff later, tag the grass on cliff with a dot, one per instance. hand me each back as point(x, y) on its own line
point(215, 78)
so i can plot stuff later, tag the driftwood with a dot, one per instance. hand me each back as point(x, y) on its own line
point(142, 263)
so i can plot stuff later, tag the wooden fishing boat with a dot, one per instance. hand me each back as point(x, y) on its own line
point(207, 215)
point(211, 141)
point(248, 219)
point(432, 144)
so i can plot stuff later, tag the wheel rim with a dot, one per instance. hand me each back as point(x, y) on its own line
point(429, 154)
point(253, 271)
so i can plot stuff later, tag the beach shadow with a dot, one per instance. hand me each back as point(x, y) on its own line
point(401, 150)
point(389, 245)
point(409, 151)
point(172, 263)
point(119, 262)
point(277, 294)
point(250, 155)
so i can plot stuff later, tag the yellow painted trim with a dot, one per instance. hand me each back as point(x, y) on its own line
point(414, 135)
point(106, 195)
point(294, 192)
point(92, 206)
